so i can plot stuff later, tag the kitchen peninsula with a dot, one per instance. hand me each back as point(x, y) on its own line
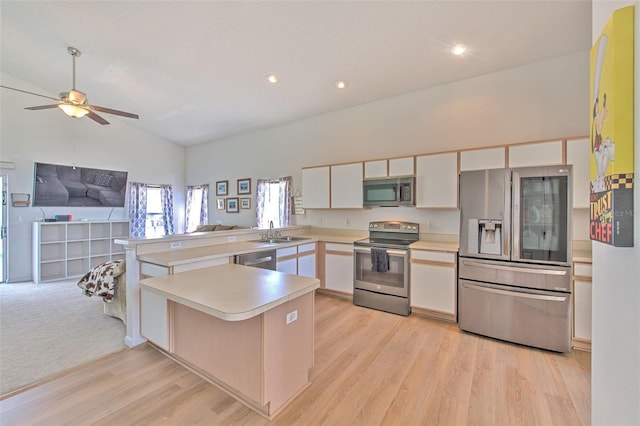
point(247, 330)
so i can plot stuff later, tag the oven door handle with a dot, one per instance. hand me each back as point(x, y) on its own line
point(390, 252)
point(515, 293)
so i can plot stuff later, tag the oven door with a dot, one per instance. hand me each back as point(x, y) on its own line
point(394, 281)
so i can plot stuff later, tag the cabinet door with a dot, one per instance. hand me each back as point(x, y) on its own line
point(154, 318)
point(346, 186)
point(307, 265)
point(582, 309)
point(338, 271)
point(481, 159)
point(315, 187)
point(437, 180)
point(401, 166)
point(578, 152)
point(288, 266)
point(433, 287)
point(535, 154)
point(375, 169)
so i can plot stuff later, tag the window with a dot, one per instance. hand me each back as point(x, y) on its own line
point(154, 226)
point(273, 202)
point(197, 206)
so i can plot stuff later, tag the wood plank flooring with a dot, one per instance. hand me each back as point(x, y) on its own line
point(371, 368)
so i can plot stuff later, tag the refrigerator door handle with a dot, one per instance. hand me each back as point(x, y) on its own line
point(514, 268)
point(506, 229)
point(516, 293)
point(515, 216)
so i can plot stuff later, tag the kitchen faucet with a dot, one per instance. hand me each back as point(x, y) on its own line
point(270, 232)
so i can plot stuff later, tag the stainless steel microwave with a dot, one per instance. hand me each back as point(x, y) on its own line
point(388, 192)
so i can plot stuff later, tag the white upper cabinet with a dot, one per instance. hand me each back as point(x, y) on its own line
point(375, 169)
point(578, 155)
point(346, 186)
point(481, 159)
point(437, 180)
point(389, 168)
point(401, 166)
point(315, 187)
point(535, 154)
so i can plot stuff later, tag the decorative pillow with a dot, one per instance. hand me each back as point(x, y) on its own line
point(102, 179)
point(101, 279)
point(40, 180)
point(205, 228)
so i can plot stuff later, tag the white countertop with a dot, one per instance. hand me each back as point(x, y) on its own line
point(231, 292)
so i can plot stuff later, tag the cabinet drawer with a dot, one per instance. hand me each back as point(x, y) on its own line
point(582, 270)
point(287, 251)
point(346, 248)
point(434, 256)
point(306, 247)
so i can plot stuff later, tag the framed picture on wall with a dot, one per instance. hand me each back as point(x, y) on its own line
point(232, 205)
point(245, 203)
point(220, 203)
point(244, 186)
point(222, 187)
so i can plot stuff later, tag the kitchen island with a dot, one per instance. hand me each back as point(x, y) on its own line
point(247, 330)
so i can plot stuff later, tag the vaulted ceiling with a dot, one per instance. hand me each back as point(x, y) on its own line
point(195, 71)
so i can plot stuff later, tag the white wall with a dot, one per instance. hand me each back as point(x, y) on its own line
point(615, 358)
point(49, 136)
point(539, 101)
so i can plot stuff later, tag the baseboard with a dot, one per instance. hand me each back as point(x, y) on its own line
point(434, 314)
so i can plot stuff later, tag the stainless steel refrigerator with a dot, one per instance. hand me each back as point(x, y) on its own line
point(514, 265)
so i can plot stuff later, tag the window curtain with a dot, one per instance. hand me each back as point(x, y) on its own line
point(284, 201)
point(269, 192)
point(166, 197)
point(262, 194)
point(203, 216)
point(204, 205)
point(137, 209)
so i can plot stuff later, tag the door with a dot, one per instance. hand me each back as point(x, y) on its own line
point(3, 230)
point(542, 205)
point(485, 214)
point(390, 280)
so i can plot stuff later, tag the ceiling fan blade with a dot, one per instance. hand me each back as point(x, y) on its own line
point(30, 93)
point(34, 108)
point(114, 112)
point(95, 117)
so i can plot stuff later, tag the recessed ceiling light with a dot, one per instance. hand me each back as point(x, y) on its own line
point(340, 84)
point(272, 78)
point(459, 49)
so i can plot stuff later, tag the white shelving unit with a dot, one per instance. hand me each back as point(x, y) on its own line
point(69, 249)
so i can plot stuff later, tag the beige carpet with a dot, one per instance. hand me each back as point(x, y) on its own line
point(48, 328)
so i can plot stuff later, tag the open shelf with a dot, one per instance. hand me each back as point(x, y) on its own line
point(69, 249)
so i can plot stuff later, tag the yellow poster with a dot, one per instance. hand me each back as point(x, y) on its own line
point(611, 94)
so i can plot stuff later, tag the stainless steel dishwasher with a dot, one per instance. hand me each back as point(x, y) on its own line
point(265, 259)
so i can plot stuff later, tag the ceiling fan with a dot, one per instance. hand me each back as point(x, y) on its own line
point(74, 103)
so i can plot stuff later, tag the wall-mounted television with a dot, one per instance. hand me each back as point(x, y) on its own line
point(72, 186)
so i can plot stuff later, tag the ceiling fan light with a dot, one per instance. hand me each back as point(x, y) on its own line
point(73, 110)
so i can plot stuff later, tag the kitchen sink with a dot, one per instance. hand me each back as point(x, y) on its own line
point(287, 239)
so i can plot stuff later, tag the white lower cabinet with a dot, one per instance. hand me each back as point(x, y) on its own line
point(307, 260)
point(433, 283)
point(582, 305)
point(286, 260)
point(338, 267)
point(154, 321)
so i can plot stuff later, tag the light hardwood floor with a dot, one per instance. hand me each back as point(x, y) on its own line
point(370, 368)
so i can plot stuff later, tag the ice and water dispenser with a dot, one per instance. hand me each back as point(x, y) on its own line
point(485, 236)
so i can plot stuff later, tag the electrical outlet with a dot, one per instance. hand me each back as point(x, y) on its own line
point(319, 221)
point(292, 316)
point(176, 244)
point(231, 238)
point(348, 222)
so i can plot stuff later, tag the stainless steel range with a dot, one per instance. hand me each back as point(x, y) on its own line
point(381, 267)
